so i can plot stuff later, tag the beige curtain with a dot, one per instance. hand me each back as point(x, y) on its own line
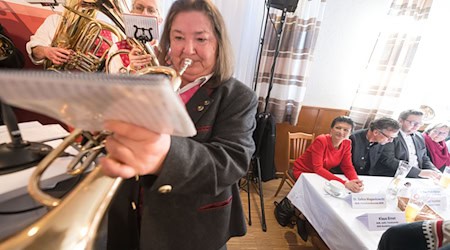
point(388, 66)
point(291, 72)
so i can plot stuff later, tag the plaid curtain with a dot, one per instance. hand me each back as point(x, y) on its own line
point(291, 72)
point(383, 80)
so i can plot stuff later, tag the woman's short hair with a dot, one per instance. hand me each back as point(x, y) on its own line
point(223, 69)
point(344, 119)
point(434, 126)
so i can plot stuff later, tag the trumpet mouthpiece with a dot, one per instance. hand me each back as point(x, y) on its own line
point(186, 63)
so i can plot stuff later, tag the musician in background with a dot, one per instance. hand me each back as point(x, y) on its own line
point(39, 47)
point(120, 61)
point(186, 196)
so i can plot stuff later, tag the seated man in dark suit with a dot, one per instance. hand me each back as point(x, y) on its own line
point(367, 144)
point(408, 146)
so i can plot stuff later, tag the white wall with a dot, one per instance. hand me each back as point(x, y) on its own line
point(346, 38)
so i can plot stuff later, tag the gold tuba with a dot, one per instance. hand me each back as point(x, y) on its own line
point(80, 31)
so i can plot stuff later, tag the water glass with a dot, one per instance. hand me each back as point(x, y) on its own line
point(402, 171)
point(445, 178)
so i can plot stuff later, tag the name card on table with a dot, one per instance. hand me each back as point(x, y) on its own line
point(362, 200)
point(437, 199)
point(381, 221)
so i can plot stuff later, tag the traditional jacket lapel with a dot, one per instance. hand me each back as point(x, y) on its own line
point(199, 103)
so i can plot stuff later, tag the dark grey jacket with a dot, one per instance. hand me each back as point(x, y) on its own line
point(204, 209)
point(363, 152)
point(398, 150)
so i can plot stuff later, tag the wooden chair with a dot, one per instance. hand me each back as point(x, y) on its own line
point(297, 144)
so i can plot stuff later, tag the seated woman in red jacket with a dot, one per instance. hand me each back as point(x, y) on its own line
point(328, 151)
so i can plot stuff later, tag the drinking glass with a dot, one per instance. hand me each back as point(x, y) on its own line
point(445, 178)
point(400, 174)
point(415, 204)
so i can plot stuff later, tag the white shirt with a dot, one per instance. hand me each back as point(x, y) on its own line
point(43, 36)
point(412, 161)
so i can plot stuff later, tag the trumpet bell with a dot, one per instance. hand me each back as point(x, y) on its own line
point(73, 222)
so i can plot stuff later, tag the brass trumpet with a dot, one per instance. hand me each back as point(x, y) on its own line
point(72, 223)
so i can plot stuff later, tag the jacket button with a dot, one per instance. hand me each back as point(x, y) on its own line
point(206, 103)
point(200, 108)
point(165, 189)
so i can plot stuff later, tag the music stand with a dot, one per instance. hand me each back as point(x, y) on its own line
point(18, 154)
point(263, 118)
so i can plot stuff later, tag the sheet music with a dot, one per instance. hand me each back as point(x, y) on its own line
point(86, 100)
point(141, 27)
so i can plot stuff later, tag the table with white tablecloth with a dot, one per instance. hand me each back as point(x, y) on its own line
point(334, 219)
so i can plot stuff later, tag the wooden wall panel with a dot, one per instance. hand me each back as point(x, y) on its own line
point(315, 120)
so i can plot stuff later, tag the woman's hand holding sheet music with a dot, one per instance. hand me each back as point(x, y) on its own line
point(133, 150)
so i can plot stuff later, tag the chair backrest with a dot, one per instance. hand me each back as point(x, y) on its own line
point(298, 142)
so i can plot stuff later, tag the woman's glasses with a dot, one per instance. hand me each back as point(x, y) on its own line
point(439, 133)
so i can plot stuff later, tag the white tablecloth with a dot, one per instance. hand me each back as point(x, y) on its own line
point(334, 219)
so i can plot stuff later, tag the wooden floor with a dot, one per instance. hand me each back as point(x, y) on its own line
point(276, 236)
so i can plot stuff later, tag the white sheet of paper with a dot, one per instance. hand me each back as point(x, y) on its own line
point(36, 133)
point(138, 26)
point(86, 100)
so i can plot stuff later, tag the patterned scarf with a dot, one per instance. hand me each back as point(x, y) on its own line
point(438, 152)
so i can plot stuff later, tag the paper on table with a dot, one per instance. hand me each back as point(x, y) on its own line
point(36, 134)
point(86, 100)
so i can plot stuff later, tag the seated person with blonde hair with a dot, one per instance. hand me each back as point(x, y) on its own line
point(437, 150)
point(328, 151)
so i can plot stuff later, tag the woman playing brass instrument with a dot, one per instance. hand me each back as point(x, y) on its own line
point(186, 196)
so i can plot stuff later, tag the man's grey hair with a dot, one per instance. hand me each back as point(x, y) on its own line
point(384, 123)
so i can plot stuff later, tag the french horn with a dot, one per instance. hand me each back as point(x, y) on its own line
point(72, 223)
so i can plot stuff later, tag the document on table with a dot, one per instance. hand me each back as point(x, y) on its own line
point(86, 100)
point(35, 132)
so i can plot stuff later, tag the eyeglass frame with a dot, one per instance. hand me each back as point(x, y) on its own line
point(413, 123)
point(390, 138)
point(434, 131)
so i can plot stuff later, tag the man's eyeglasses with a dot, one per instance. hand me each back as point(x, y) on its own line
point(414, 123)
point(139, 8)
point(390, 138)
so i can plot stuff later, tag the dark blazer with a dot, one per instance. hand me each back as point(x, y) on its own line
point(203, 209)
point(398, 150)
point(363, 152)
